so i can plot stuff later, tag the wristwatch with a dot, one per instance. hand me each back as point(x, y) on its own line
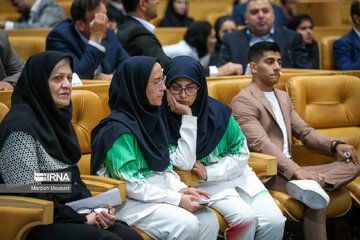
point(337, 142)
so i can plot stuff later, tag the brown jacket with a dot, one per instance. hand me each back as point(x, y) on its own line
point(256, 118)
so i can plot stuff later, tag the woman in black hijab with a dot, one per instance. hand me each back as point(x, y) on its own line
point(131, 144)
point(221, 153)
point(37, 136)
point(176, 14)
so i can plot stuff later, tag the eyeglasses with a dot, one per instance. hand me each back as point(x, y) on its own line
point(177, 89)
point(90, 210)
point(159, 83)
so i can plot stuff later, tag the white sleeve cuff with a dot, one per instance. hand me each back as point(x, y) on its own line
point(98, 46)
point(9, 25)
point(211, 174)
point(213, 71)
point(173, 198)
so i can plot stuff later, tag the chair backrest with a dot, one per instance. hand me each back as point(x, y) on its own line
point(170, 35)
point(226, 90)
point(326, 101)
point(3, 111)
point(329, 104)
point(324, 13)
point(87, 113)
point(29, 32)
point(27, 46)
point(326, 52)
point(323, 31)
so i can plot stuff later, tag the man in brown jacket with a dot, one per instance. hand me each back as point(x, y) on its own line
point(268, 120)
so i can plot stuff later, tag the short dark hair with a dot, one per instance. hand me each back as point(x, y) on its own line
point(257, 50)
point(196, 36)
point(355, 9)
point(80, 7)
point(297, 20)
point(130, 5)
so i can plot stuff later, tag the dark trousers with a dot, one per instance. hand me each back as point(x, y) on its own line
point(75, 231)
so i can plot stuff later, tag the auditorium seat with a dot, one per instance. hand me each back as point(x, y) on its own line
point(326, 52)
point(25, 47)
point(329, 104)
point(3, 111)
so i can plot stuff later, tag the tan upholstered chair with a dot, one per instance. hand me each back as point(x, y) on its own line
point(3, 111)
point(25, 47)
point(331, 105)
point(326, 52)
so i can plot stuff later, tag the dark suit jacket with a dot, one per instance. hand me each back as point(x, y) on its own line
point(253, 112)
point(347, 52)
point(48, 15)
point(236, 44)
point(138, 41)
point(10, 63)
point(65, 38)
point(116, 14)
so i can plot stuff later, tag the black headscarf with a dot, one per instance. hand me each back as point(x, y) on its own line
point(213, 115)
point(172, 19)
point(131, 112)
point(34, 111)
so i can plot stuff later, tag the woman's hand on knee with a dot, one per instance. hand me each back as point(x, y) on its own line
point(188, 202)
point(106, 219)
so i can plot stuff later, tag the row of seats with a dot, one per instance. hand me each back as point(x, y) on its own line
point(86, 118)
point(27, 42)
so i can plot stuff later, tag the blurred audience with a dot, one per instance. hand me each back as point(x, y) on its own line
point(10, 63)
point(347, 48)
point(303, 24)
point(223, 25)
point(137, 36)
point(199, 42)
point(260, 20)
point(289, 8)
point(116, 12)
point(87, 38)
point(239, 11)
point(176, 14)
point(35, 14)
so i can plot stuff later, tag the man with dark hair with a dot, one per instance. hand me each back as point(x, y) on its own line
point(35, 14)
point(86, 37)
point(137, 36)
point(10, 63)
point(347, 49)
point(259, 18)
point(268, 120)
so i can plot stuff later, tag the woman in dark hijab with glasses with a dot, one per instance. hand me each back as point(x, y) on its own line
point(37, 136)
point(221, 154)
point(131, 144)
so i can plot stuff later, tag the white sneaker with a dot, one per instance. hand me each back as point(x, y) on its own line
point(309, 192)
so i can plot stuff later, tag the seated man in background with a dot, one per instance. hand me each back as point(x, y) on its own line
point(35, 14)
point(86, 37)
point(240, 8)
point(10, 63)
point(347, 48)
point(137, 36)
point(260, 20)
point(115, 10)
point(268, 120)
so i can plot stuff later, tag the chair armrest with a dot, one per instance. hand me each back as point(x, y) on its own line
point(114, 183)
point(190, 178)
point(20, 214)
point(263, 164)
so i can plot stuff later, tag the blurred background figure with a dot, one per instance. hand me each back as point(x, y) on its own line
point(176, 14)
point(223, 25)
point(303, 24)
point(240, 9)
point(199, 42)
point(116, 12)
point(289, 8)
point(35, 14)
